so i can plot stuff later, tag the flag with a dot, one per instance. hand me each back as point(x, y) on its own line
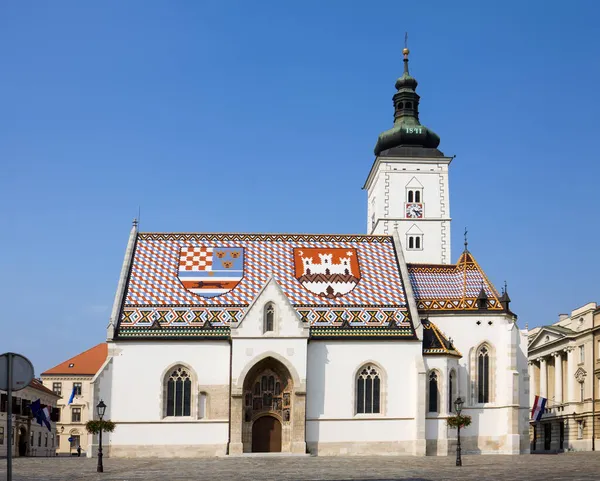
point(72, 395)
point(41, 415)
point(539, 406)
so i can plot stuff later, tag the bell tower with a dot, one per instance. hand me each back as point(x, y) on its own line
point(407, 186)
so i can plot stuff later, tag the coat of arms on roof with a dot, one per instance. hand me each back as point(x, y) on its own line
point(327, 272)
point(210, 271)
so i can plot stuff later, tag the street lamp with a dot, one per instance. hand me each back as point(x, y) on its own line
point(458, 404)
point(101, 409)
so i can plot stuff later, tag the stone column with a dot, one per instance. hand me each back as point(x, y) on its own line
point(543, 377)
point(532, 389)
point(558, 375)
point(570, 394)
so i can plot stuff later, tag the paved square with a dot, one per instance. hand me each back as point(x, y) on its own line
point(571, 466)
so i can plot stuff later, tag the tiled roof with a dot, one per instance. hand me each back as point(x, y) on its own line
point(435, 342)
point(35, 384)
point(452, 286)
point(86, 363)
point(182, 281)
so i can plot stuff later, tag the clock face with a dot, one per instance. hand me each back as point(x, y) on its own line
point(414, 211)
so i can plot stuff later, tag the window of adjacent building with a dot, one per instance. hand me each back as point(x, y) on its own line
point(579, 429)
point(1, 434)
point(415, 242)
point(179, 392)
point(39, 440)
point(76, 415)
point(483, 375)
point(77, 388)
point(46, 440)
point(368, 390)
point(74, 441)
point(57, 388)
point(52, 439)
point(58, 440)
point(581, 354)
point(269, 317)
point(31, 442)
point(12, 439)
point(581, 391)
point(433, 393)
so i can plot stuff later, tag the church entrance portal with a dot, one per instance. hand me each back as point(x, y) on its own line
point(266, 435)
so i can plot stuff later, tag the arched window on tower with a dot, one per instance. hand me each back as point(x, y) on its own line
point(411, 196)
point(179, 392)
point(269, 317)
point(408, 105)
point(451, 390)
point(411, 242)
point(483, 375)
point(368, 390)
point(433, 393)
point(417, 242)
point(417, 196)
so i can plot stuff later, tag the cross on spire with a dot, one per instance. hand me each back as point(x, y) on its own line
point(466, 241)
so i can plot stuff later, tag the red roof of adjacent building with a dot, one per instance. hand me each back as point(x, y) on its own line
point(36, 384)
point(86, 363)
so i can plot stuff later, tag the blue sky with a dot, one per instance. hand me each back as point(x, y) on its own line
point(262, 117)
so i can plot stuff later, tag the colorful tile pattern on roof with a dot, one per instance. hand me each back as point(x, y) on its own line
point(354, 279)
point(452, 287)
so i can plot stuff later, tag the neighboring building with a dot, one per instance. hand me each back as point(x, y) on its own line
point(328, 344)
point(564, 365)
point(74, 376)
point(29, 438)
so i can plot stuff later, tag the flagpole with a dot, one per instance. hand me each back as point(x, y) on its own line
point(9, 420)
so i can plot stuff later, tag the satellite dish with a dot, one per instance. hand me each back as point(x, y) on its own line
point(22, 371)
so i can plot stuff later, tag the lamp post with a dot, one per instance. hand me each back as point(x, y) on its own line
point(458, 404)
point(101, 408)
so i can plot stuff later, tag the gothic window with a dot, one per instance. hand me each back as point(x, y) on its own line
point(179, 392)
point(451, 387)
point(368, 390)
point(483, 375)
point(433, 393)
point(269, 317)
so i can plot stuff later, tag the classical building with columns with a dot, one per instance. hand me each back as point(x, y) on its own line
point(323, 344)
point(564, 367)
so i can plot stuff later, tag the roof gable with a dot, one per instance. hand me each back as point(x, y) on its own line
point(86, 363)
point(452, 287)
point(546, 335)
point(198, 284)
point(435, 342)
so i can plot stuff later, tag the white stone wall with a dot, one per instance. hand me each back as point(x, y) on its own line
point(387, 188)
point(500, 424)
point(134, 394)
point(332, 423)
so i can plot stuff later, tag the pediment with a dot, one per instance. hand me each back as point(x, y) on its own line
point(545, 336)
point(414, 183)
point(286, 320)
point(414, 229)
point(580, 374)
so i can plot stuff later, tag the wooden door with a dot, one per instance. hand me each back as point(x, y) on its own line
point(266, 435)
point(547, 436)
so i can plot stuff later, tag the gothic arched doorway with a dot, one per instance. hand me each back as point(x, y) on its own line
point(267, 408)
point(266, 435)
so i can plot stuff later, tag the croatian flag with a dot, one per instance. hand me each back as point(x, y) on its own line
point(539, 405)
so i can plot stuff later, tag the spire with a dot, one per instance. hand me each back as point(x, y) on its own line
point(466, 241)
point(407, 131)
point(505, 298)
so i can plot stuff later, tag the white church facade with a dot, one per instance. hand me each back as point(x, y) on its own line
point(224, 344)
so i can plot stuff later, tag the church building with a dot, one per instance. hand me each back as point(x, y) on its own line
point(224, 344)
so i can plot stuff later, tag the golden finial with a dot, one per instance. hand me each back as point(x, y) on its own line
point(405, 50)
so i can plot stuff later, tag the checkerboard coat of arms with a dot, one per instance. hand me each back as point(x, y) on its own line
point(210, 271)
point(327, 272)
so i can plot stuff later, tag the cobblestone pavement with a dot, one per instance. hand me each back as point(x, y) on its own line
point(570, 466)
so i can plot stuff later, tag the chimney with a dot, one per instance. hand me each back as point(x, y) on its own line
point(562, 317)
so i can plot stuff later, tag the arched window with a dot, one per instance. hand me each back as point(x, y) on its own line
point(400, 105)
point(417, 242)
point(179, 392)
point(433, 393)
point(417, 196)
point(411, 242)
point(269, 317)
point(483, 375)
point(411, 196)
point(451, 387)
point(408, 105)
point(368, 390)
